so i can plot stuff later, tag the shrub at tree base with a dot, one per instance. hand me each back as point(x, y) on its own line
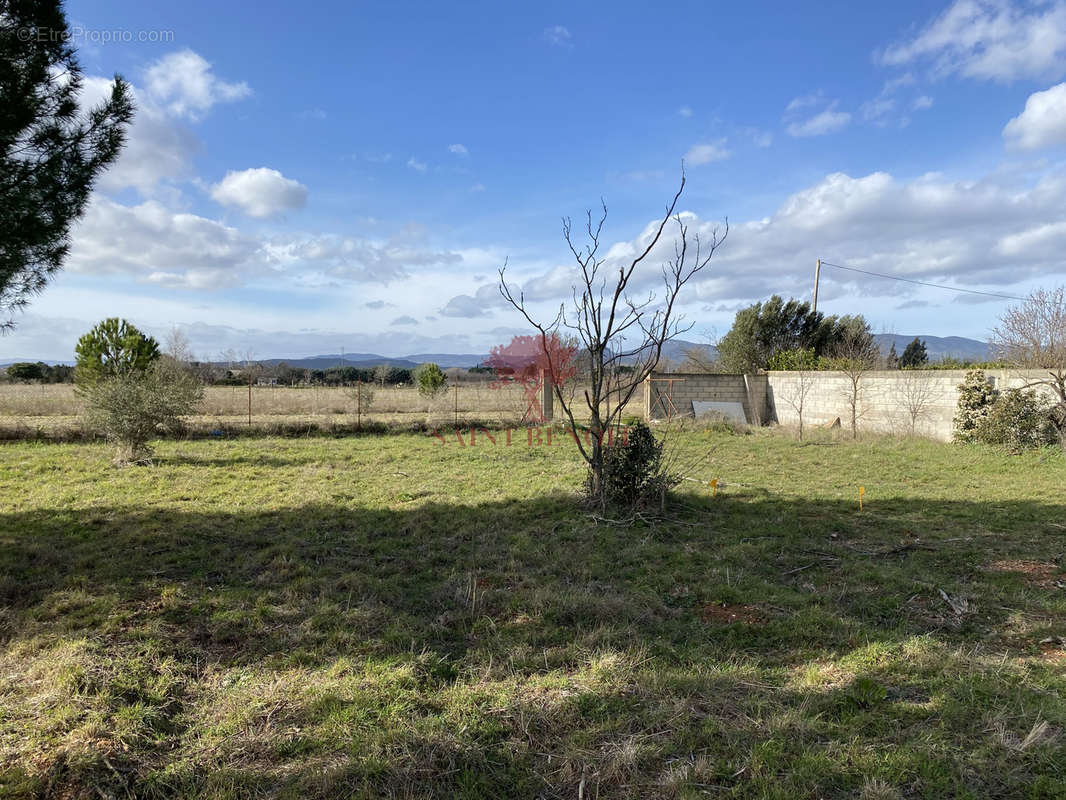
point(634, 475)
point(131, 409)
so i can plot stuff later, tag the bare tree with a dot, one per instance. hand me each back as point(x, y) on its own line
point(795, 394)
point(250, 371)
point(855, 355)
point(177, 346)
point(363, 395)
point(698, 359)
point(382, 372)
point(915, 393)
point(1032, 336)
point(615, 329)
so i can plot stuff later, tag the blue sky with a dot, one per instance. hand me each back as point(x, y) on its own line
point(353, 176)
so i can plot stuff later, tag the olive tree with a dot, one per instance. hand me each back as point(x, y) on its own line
point(131, 391)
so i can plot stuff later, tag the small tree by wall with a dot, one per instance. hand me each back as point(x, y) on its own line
point(802, 362)
point(855, 354)
point(915, 395)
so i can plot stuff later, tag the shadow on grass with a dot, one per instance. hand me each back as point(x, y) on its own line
point(518, 649)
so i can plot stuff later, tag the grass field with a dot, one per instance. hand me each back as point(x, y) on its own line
point(396, 617)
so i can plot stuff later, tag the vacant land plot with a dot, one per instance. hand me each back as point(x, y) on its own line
point(397, 617)
point(51, 410)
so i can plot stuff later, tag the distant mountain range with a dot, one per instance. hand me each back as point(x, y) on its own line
point(936, 346)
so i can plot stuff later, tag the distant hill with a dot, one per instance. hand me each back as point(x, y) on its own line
point(361, 360)
point(938, 347)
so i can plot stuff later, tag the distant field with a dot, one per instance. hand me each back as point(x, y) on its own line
point(53, 408)
point(392, 617)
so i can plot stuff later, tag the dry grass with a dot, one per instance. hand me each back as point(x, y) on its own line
point(54, 407)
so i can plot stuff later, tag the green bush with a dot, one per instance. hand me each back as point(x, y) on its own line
point(430, 379)
point(634, 475)
point(1018, 420)
point(797, 359)
point(976, 397)
point(131, 408)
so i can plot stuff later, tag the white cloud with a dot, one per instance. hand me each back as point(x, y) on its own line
point(559, 36)
point(458, 149)
point(259, 192)
point(157, 148)
point(876, 109)
point(977, 234)
point(760, 138)
point(685, 111)
point(826, 121)
point(892, 84)
point(477, 187)
point(327, 258)
point(804, 101)
point(156, 245)
point(404, 320)
point(159, 246)
point(1042, 124)
point(178, 89)
point(480, 304)
point(183, 83)
point(922, 102)
point(415, 164)
point(707, 153)
point(998, 40)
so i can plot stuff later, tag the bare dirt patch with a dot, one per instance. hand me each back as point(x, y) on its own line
point(726, 614)
point(1039, 573)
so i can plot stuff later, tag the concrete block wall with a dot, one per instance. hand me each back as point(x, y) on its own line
point(886, 397)
point(671, 394)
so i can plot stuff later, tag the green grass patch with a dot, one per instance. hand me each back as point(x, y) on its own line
point(390, 616)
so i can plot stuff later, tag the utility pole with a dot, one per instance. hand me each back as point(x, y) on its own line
point(817, 274)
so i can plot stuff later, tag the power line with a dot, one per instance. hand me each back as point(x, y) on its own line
point(923, 283)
